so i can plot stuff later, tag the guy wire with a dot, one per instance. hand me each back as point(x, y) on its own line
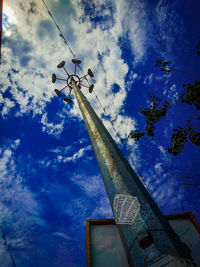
point(60, 32)
point(6, 244)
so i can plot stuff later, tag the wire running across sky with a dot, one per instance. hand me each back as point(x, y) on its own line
point(60, 32)
point(7, 246)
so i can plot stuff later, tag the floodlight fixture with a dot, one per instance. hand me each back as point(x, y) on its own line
point(57, 92)
point(91, 88)
point(67, 99)
point(76, 61)
point(53, 78)
point(72, 78)
point(90, 73)
point(61, 65)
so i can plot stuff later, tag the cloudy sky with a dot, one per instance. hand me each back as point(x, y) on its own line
point(49, 180)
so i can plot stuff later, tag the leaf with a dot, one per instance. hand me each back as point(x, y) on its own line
point(159, 61)
point(136, 135)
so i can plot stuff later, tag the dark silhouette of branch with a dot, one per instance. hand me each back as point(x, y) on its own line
point(158, 109)
point(165, 66)
point(179, 137)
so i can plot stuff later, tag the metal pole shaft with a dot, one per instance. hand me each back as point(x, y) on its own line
point(119, 178)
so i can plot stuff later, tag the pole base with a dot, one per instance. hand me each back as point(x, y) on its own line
point(171, 261)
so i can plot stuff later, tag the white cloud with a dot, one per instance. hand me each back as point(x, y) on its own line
point(63, 235)
point(162, 184)
point(50, 127)
point(68, 153)
point(7, 106)
point(18, 207)
point(91, 185)
point(122, 125)
point(31, 86)
point(130, 80)
point(170, 28)
point(131, 18)
point(16, 143)
point(148, 79)
point(61, 150)
point(171, 93)
point(79, 154)
point(102, 210)
point(158, 168)
point(94, 188)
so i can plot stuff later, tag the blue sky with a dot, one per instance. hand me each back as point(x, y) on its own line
point(49, 180)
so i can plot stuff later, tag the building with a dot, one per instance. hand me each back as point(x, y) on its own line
point(105, 249)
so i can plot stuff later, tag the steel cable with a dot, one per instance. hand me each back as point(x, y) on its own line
point(6, 245)
point(60, 32)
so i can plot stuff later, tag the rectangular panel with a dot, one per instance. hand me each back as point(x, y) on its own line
point(106, 247)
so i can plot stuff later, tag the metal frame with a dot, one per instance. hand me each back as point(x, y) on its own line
point(94, 222)
point(184, 215)
point(72, 78)
point(75, 78)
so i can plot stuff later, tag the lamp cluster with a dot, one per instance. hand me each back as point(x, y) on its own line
point(72, 77)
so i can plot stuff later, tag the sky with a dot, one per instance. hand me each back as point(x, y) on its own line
point(49, 179)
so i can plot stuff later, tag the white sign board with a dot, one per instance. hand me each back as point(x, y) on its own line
point(126, 208)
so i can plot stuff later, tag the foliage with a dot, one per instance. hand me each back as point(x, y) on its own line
point(158, 109)
point(163, 66)
point(136, 135)
point(179, 138)
point(191, 94)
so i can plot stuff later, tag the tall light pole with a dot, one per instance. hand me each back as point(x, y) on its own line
point(148, 240)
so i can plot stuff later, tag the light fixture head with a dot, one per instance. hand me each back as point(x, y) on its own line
point(67, 99)
point(90, 73)
point(53, 78)
point(61, 64)
point(76, 61)
point(91, 88)
point(57, 92)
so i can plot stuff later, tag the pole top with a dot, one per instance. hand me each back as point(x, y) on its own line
point(79, 81)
